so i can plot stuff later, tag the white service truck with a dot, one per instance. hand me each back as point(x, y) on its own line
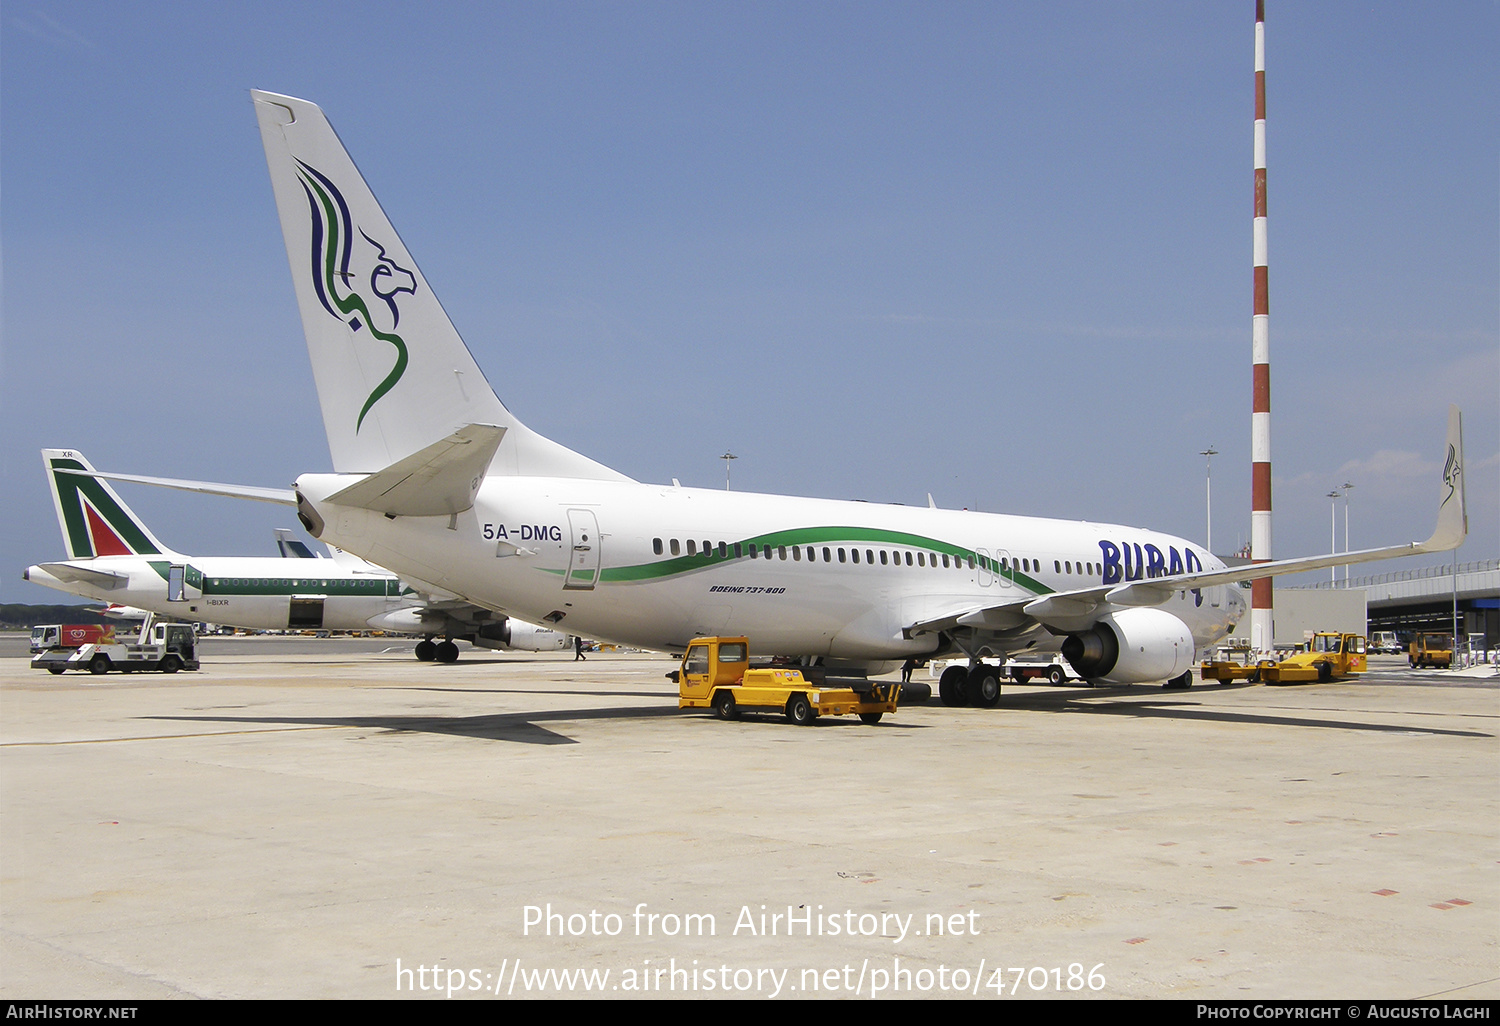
point(165, 647)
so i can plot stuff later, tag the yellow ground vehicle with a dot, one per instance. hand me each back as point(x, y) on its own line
point(1329, 656)
point(1435, 650)
point(1231, 670)
point(716, 674)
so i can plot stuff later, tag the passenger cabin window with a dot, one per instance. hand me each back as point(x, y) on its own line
point(676, 549)
point(656, 545)
point(692, 547)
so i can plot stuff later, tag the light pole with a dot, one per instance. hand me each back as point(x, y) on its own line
point(1347, 489)
point(726, 458)
point(1333, 535)
point(1208, 475)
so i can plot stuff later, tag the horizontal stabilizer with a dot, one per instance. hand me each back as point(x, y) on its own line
point(72, 573)
point(439, 480)
point(282, 496)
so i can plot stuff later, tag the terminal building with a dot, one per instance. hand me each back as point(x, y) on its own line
point(1404, 601)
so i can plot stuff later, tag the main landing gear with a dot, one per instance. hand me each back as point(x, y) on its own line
point(429, 651)
point(977, 685)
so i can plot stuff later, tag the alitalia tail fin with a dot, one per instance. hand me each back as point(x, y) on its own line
point(94, 520)
point(392, 373)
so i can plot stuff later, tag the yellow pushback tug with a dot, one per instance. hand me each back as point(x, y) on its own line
point(716, 674)
point(1329, 656)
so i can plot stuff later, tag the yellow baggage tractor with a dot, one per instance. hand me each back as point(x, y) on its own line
point(1330, 656)
point(1233, 670)
point(716, 674)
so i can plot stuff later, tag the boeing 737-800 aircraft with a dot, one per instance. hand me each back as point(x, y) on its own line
point(437, 480)
point(114, 557)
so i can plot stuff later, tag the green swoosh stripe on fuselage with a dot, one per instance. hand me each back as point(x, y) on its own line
point(801, 536)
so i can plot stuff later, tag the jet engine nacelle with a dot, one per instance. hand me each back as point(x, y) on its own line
point(522, 637)
point(1132, 646)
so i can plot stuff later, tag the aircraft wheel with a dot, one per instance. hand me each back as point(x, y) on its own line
point(799, 710)
point(725, 707)
point(99, 664)
point(170, 664)
point(870, 718)
point(951, 686)
point(1181, 683)
point(426, 651)
point(446, 652)
point(1055, 675)
point(983, 686)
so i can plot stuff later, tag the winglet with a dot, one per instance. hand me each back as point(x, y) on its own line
point(1453, 512)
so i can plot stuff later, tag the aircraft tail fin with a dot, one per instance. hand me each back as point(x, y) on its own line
point(291, 546)
point(392, 373)
point(94, 520)
point(1453, 511)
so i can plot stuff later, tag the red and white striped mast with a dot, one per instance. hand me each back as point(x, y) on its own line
point(1260, 336)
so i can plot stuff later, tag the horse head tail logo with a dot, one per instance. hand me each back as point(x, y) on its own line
point(337, 263)
point(1452, 473)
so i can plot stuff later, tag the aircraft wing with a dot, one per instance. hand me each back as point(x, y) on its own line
point(283, 496)
point(440, 479)
point(1079, 608)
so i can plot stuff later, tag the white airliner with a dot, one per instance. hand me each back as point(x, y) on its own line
point(436, 479)
point(114, 557)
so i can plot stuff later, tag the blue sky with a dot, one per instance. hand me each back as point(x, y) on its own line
point(999, 252)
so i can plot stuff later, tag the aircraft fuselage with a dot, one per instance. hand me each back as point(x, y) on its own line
point(657, 565)
point(258, 593)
